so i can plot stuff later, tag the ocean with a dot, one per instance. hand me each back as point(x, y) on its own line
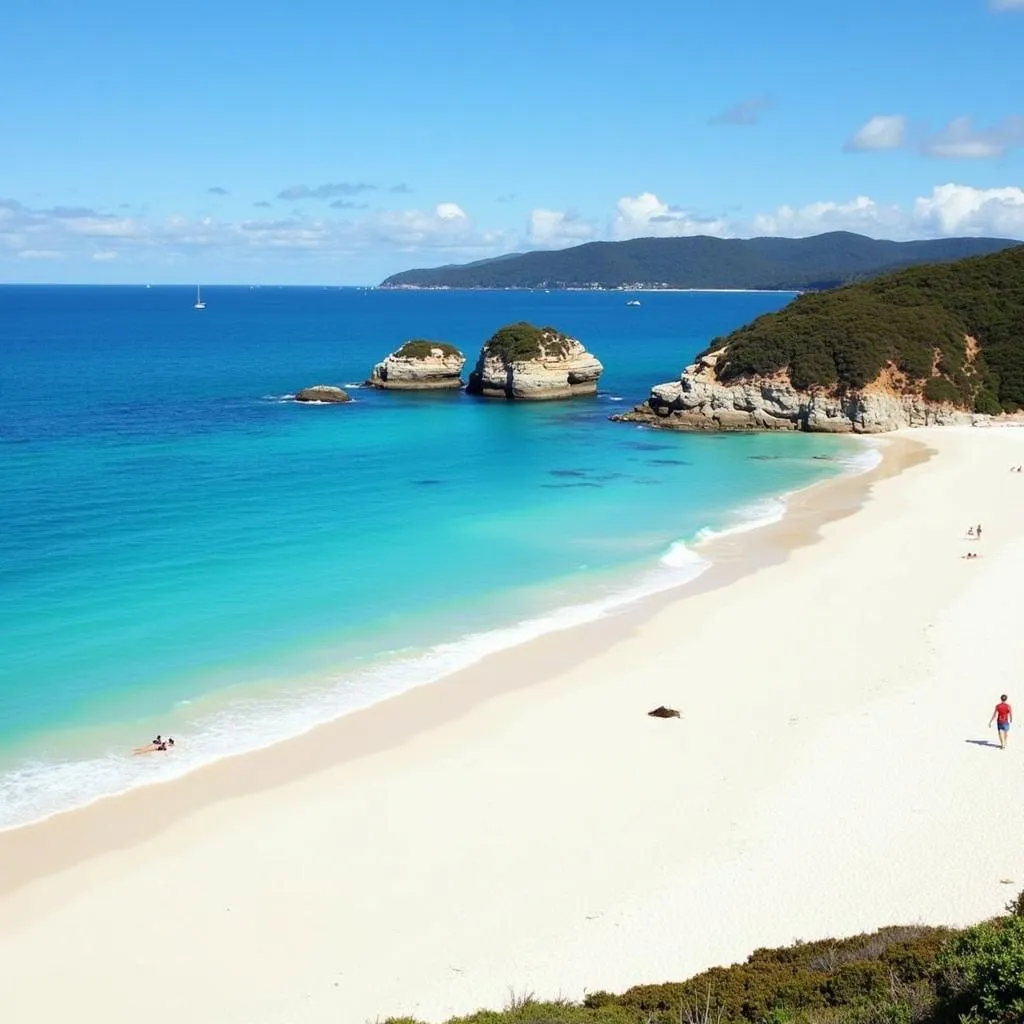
point(186, 550)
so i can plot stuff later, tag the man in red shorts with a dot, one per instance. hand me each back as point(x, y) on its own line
point(1002, 716)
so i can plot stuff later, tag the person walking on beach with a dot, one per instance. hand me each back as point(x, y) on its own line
point(1003, 717)
point(977, 533)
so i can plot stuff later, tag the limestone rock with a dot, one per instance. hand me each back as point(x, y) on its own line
point(420, 366)
point(528, 363)
point(322, 393)
point(699, 401)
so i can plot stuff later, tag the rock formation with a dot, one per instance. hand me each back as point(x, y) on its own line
point(530, 363)
point(322, 393)
point(420, 366)
point(700, 401)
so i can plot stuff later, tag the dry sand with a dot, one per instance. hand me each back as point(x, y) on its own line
point(524, 825)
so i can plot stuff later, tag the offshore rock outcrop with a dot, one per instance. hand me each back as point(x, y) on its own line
point(699, 401)
point(326, 393)
point(526, 363)
point(420, 366)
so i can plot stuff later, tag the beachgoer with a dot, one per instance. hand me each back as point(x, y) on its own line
point(977, 532)
point(970, 531)
point(1003, 717)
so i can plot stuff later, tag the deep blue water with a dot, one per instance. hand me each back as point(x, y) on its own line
point(186, 550)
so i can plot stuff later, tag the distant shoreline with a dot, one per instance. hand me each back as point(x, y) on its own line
point(639, 289)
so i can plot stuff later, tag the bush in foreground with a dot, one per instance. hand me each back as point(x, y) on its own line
point(908, 975)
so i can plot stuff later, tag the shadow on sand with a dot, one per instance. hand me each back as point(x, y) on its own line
point(983, 743)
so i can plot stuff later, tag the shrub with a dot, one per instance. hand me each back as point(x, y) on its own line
point(520, 341)
point(420, 348)
point(981, 974)
point(941, 389)
point(911, 319)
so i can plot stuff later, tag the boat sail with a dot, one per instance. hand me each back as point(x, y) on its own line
point(199, 304)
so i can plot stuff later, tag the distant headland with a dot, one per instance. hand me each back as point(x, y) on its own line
point(701, 262)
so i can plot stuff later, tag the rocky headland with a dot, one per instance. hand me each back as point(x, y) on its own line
point(420, 366)
point(931, 345)
point(325, 393)
point(526, 363)
point(699, 400)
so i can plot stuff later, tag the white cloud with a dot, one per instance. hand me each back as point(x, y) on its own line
point(860, 214)
point(446, 228)
point(961, 140)
point(962, 210)
point(948, 210)
point(448, 233)
point(555, 229)
point(451, 212)
point(883, 131)
point(646, 216)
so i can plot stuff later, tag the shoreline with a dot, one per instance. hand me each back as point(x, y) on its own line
point(730, 554)
point(527, 825)
point(436, 662)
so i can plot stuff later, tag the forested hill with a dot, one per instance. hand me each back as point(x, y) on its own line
point(952, 331)
point(823, 261)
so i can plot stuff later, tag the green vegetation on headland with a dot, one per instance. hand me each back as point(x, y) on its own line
point(419, 348)
point(913, 975)
point(954, 331)
point(823, 261)
point(521, 341)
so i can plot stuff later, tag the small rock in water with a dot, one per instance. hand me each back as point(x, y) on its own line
point(322, 393)
point(663, 712)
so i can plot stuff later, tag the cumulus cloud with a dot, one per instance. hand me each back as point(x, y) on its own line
point(961, 140)
point(947, 210)
point(216, 190)
point(883, 131)
point(447, 229)
point(69, 231)
point(962, 210)
point(746, 112)
point(554, 229)
point(646, 216)
point(344, 204)
point(328, 191)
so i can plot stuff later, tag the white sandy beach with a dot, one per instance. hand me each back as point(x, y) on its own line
point(526, 825)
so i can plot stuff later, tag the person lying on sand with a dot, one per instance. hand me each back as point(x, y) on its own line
point(156, 744)
point(971, 554)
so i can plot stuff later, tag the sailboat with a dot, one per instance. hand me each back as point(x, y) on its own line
point(199, 304)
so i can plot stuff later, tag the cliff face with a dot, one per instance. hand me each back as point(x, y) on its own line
point(420, 366)
point(560, 368)
point(699, 401)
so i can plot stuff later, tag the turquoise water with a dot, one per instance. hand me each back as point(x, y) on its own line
point(187, 551)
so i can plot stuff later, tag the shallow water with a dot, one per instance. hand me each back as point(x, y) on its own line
point(187, 550)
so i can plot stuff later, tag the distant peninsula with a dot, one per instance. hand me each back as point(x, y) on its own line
point(940, 343)
point(781, 264)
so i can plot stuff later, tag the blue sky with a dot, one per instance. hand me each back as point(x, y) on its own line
point(318, 142)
